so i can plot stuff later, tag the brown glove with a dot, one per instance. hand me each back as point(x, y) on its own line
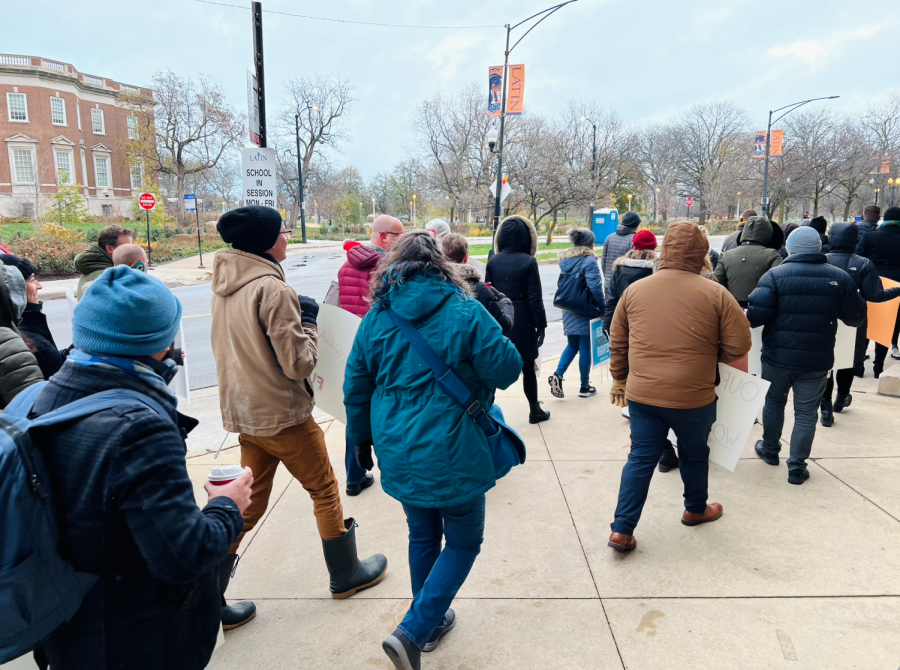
point(617, 393)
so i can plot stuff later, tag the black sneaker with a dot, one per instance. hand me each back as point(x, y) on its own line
point(760, 449)
point(404, 654)
point(587, 391)
point(356, 489)
point(440, 631)
point(556, 388)
point(798, 476)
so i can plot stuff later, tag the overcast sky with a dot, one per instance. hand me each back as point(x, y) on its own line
point(648, 59)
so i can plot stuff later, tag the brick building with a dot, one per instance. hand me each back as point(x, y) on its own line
point(60, 124)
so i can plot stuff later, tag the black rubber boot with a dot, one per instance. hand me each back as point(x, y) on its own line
point(842, 402)
point(236, 615)
point(356, 489)
point(537, 414)
point(349, 575)
point(878, 368)
point(669, 459)
point(827, 419)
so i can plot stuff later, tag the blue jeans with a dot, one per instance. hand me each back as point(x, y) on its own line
point(355, 472)
point(578, 344)
point(437, 575)
point(649, 429)
point(808, 388)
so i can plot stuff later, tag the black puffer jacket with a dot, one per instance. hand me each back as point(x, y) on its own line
point(626, 271)
point(498, 305)
point(844, 239)
point(37, 335)
point(882, 247)
point(799, 303)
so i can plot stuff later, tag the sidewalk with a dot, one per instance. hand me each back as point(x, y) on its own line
point(805, 577)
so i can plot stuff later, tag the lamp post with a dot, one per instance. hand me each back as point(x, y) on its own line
point(415, 223)
point(877, 191)
point(593, 168)
point(793, 106)
point(656, 206)
point(737, 211)
point(629, 202)
point(373, 210)
point(893, 184)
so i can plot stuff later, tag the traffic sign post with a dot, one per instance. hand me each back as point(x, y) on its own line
point(190, 205)
point(689, 202)
point(147, 201)
point(190, 202)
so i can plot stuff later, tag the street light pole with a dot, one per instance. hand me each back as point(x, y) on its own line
point(656, 206)
point(893, 184)
point(300, 179)
point(793, 106)
point(593, 168)
point(737, 211)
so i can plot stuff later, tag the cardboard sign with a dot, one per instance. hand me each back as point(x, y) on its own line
point(741, 396)
point(882, 316)
point(844, 348)
point(599, 344)
point(180, 383)
point(337, 330)
point(754, 358)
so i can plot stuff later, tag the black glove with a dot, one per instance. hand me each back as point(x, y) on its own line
point(364, 455)
point(540, 338)
point(309, 310)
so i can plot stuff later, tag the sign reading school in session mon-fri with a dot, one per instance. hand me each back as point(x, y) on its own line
point(258, 170)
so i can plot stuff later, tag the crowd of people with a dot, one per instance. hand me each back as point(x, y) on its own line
point(156, 567)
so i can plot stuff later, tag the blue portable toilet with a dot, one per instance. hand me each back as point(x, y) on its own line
point(604, 224)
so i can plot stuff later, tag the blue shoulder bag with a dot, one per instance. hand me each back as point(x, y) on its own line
point(507, 448)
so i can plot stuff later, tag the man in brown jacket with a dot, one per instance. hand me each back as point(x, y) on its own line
point(265, 350)
point(668, 335)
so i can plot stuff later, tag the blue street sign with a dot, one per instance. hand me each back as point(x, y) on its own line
point(190, 202)
point(857, 218)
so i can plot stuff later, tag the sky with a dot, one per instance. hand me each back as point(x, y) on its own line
point(648, 60)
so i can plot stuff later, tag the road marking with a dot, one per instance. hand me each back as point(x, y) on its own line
point(195, 316)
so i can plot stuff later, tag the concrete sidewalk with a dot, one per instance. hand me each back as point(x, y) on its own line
point(804, 577)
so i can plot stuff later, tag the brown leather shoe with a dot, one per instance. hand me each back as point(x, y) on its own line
point(622, 543)
point(713, 512)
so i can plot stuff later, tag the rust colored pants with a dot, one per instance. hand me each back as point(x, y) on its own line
point(302, 450)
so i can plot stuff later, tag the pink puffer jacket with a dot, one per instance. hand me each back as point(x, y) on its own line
point(354, 277)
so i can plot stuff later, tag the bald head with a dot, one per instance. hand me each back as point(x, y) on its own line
point(131, 255)
point(385, 231)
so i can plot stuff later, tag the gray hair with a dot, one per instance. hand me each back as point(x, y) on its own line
point(415, 253)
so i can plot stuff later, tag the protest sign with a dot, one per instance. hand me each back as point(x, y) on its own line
point(599, 344)
point(844, 347)
point(337, 330)
point(180, 384)
point(70, 299)
point(754, 358)
point(882, 316)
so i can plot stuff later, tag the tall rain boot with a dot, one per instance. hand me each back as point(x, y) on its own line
point(233, 616)
point(348, 574)
point(827, 419)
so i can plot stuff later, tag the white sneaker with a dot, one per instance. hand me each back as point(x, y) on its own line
point(895, 353)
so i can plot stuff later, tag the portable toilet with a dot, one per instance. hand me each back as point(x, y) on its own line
point(604, 223)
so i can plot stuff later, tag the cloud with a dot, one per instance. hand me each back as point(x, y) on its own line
point(816, 52)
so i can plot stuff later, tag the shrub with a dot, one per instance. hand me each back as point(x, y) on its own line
point(51, 248)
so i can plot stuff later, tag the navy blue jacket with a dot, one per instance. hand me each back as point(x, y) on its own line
point(127, 513)
point(799, 303)
point(882, 247)
point(844, 240)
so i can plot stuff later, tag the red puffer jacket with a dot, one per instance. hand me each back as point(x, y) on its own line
point(354, 277)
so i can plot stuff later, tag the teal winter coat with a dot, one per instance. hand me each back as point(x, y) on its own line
point(430, 452)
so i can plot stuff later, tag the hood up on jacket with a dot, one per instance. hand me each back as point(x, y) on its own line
point(844, 237)
point(18, 294)
point(575, 252)
point(684, 248)
point(775, 239)
point(364, 257)
point(468, 273)
point(92, 259)
point(421, 296)
point(517, 234)
point(233, 269)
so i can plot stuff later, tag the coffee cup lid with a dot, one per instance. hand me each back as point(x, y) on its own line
point(225, 473)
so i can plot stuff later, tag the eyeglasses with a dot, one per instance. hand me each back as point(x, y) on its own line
point(389, 233)
point(286, 232)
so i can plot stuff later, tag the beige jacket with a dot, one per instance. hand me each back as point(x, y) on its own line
point(263, 353)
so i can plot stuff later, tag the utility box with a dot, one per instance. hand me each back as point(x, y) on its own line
point(604, 224)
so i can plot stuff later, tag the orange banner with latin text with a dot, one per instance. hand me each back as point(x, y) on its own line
point(516, 100)
point(883, 316)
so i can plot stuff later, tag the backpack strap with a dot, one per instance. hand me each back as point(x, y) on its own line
point(22, 403)
point(98, 402)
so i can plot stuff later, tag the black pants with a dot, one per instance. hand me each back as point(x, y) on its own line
point(881, 350)
point(844, 382)
point(529, 381)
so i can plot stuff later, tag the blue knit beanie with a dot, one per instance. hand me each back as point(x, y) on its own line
point(804, 240)
point(126, 313)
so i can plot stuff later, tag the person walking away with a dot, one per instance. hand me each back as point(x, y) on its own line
point(579, 259)
point(95, 259)
point(456, 249)
point(514, 272)
point(132, 255)
point(714, 256)
point(617, 244)
point(844, 239)
point(799, 303)
point(264, 341)
point(870, 218)
point(732, 241)
point(18, 365)
point(740, 268)
point(354, 278)
point(820, 225)
point(433, 457)
point(882, 247)
point(439, 228)
point(669, 333)
point(125, 502)
point(788, 228)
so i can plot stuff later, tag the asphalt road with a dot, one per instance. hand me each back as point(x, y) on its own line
point(310, 272)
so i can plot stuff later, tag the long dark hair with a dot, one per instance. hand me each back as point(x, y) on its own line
point(415, 253)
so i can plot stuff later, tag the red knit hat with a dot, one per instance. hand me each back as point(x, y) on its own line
point(643, 240)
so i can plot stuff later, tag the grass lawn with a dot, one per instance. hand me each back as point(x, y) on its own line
point(481, 249)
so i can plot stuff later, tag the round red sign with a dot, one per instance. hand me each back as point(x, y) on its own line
point(147, 201)
point(689, 201)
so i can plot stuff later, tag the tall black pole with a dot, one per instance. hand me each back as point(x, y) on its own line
point(590, 222)
point(300, 179)
point(256, 14)
point(500, 143)
point(199, 240)
point(765, 198)
point(149, 259)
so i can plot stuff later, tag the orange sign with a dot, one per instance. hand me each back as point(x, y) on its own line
point(885, 165)
point(777, 148)
point(882, 316)
point(516, 90)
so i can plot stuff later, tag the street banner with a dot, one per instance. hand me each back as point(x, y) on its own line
point(883, 316)
point(337, 330)
point(516, 90)
point(258, 173)
point(599, 344)
point(885, 165)
point(253, 108)
point(759, 138)
point(495, 90)
point(777, 145)
point(880, 165)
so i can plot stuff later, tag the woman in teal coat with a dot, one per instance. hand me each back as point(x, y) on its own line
point(433, 458)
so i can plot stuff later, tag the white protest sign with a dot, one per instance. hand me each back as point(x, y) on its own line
point(754, 358)
point(180, 383)
point(844, 347)
point(337, 330)
point(258, 173)
point(70, 299)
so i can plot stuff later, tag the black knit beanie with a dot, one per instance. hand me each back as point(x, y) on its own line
point(26, 267)
point(819, 224)
point(892, 214)
point(631, 219)
point(253, 229)
point(581, 237)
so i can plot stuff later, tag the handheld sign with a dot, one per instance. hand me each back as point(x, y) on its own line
point(337, 330)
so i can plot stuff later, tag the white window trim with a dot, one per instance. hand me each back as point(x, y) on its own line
point(78, 113)
point(109, 185)
point(71, 164)
point(102, 121)
point(132, 129)
point(9, 108)
point(65, 116)
point(140, 169)
point(12, 164)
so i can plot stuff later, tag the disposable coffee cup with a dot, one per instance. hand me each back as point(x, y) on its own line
point(225, 474)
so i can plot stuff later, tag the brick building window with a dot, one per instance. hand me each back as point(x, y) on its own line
point(64, 173)
point(132, 128)
point(23, 166)
point(78, 114)
point(106, 209)
point(101, 171)
point(58, 111)
point(137, 177)
point(97, 123)
point(17, 105)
